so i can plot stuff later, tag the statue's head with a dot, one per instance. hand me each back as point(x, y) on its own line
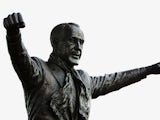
point(67, 41)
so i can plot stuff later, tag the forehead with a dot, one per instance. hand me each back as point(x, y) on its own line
point(75, 31)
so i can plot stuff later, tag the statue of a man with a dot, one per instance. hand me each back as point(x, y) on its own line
point(53, 89)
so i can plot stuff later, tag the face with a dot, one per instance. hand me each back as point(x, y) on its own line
point(70, 47)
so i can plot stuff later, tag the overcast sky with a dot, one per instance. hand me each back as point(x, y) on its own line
point(119, 35)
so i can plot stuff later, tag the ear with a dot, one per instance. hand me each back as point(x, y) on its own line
point(56, 46)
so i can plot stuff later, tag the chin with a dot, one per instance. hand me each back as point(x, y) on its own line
point(74, 62)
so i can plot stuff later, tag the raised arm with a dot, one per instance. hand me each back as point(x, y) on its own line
point(26, 67)
point(102, 85)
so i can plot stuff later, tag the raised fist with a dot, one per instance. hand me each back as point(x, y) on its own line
point(13, 22)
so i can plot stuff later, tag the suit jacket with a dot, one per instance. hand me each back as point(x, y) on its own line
point(53, 93)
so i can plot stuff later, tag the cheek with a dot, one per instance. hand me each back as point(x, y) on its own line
point(65, 49)
point(68, 47)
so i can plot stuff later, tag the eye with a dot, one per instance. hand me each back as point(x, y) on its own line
point(74, 40)
point(81, 41)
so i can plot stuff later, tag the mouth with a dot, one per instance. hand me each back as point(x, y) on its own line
point(76, 55)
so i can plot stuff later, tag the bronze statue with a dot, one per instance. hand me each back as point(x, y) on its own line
point(53, 89)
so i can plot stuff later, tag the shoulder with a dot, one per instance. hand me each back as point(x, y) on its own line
point(38, 60)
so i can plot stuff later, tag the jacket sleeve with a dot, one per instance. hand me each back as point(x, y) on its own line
point(27, 68)
point(110, 82)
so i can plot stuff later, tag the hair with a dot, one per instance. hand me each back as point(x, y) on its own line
point(57, 31)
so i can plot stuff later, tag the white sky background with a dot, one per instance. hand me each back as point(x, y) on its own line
point(120, 35)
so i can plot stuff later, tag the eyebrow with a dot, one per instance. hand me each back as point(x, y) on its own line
point(78, 38)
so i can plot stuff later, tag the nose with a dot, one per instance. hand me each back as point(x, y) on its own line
point(78, 45)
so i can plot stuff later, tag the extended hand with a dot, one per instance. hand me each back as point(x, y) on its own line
point(155, 69)
point(13, 22)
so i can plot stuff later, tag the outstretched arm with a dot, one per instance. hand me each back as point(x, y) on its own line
point(110, 82)
point(26, 68)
